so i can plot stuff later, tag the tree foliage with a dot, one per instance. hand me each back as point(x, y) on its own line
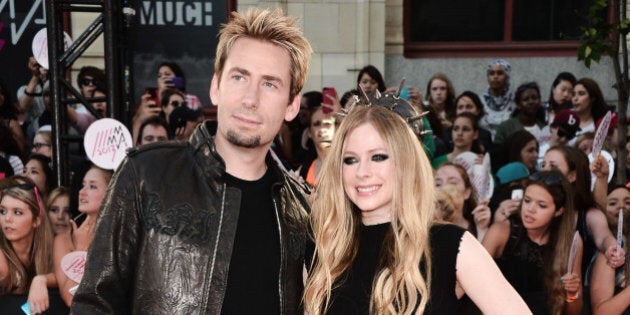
point(606, 34)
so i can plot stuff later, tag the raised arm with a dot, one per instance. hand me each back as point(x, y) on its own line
point(483, 282)
point(602, 237)
point(603, 298)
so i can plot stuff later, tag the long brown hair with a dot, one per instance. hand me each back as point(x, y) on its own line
point(561, 230)
point(399, 285)
point(20, 276)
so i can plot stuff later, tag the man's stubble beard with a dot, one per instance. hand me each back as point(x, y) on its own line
point(235, 138)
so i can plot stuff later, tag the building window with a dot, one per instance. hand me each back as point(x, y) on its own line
point(464, 28)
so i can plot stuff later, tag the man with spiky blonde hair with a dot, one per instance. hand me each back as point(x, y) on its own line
point(219, 228)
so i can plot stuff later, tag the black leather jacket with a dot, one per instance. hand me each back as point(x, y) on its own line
point(165, 232)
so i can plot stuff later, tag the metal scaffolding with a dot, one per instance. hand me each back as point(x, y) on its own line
point(111, 22)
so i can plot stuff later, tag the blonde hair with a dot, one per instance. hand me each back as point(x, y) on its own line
point(398, 283)
point(270, 26)
point(20, 276)
point(55, 193)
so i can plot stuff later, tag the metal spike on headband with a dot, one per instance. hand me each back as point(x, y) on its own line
point(345, 111)
point(400, 87)
point(418, 117)
point(393, 102)
point(364, 96)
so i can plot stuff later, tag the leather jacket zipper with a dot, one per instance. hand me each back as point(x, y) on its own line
point(214, 253)
point(282, 258)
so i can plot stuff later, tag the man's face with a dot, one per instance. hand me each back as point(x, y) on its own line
point(153, 133)
point(252, 94)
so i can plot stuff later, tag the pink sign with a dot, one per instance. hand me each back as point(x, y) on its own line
point(40, 46)
point(106, 142)
point(600, 135)
point(73, 265)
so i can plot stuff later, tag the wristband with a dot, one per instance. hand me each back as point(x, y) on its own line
point(32, 94)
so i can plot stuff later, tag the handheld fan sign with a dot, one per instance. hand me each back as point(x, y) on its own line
point(620, 230)
point(573, 252)
point(40, 46)
point(479, 174)
point(106, 142)
point(600, 135)
point(73, 265)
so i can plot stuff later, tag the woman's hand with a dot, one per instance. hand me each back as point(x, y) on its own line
point(38, 295)
point(82, 236)
point(482, 215)
point(506, 209)
point(615, 259)
point(571, 283)
point(599, 167)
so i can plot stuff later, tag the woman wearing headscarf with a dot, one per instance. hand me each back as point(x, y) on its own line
point(498, 101)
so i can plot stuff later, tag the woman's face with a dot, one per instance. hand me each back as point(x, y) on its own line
point(449, 175)
point(59, 214)
point(586, 146)
point(617, 199)
point(322, 129)
point(42, 145)
point(554, 159)
point(496, 77)
point(563, 92)
point(529, 154)
point(466, 105)
point(164, 73)
point(91, 195)
point(35, 171)
point(174, 101)
point(538, 208)
point(463, 133)
point(16, 219)
point(438, 91)
point(581, 99)
point(368, 172)
point(529, 102)
point(368, 84)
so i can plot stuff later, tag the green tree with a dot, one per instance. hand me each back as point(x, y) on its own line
point(606, 34)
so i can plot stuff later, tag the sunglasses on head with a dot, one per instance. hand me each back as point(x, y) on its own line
point(89, 81)
point(547, 178)
point(39, 145)
point(177, 103)
point(28, 187)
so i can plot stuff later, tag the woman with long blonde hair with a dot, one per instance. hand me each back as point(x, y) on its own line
point(376, 249)
point(26, 238)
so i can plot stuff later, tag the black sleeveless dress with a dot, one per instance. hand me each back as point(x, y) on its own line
point(351, 295)
point(522, 265)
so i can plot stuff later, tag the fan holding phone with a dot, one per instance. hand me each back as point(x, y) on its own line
point(169, 77)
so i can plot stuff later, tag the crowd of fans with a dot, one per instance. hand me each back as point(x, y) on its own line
point(526, 222)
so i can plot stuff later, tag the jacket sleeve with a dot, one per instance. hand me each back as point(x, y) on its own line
point(107, 283)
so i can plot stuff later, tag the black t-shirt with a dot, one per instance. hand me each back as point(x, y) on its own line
point(252, 286)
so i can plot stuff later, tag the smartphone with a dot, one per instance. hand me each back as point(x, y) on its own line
point(517, 194)
point(328, 91)
point(153, 93)
point(79, 218)
point(178, 82)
